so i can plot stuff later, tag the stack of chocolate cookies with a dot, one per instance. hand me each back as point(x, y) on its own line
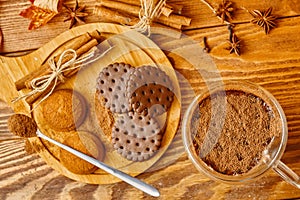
point(136, 97)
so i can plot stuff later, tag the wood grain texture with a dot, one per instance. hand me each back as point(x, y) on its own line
point(271, 61)
point(13, 24)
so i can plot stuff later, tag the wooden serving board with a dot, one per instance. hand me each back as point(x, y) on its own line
point(129, 47)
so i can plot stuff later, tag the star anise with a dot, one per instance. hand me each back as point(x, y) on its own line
point(224, 11)
point(76, 14)
point(235, 46)
point(265, 19)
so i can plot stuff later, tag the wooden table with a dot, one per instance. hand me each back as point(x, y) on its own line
point(272, 61)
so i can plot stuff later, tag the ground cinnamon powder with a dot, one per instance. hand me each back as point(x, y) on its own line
point(249, 126)
point(28, 147)
point(22, 125)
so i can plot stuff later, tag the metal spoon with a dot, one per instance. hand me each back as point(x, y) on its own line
point(17, 119)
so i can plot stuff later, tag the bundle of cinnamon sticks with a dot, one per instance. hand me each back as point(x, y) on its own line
point(81, 44)
point(126, 12)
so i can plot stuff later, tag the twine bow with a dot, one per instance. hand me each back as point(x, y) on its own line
point(146, 15)
point(42, 83)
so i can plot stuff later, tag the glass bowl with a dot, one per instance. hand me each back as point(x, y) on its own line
point(219, 95)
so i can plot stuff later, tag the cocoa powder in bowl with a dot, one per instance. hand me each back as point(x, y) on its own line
point(231, 138)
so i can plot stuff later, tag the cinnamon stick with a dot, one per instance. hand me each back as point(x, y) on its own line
point(96, 35)
point(165, 20)
point(111, 15)
point(123, 18)
point(178, 19)
point(124, 7)
point(177, 9)
point(115, 16)
point(83, 49)
point(173, 20)
point(131, 2)
point(166, 11)
point(75, 44)
point(21, 83)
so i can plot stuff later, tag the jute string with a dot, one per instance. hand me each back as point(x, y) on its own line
point(147, 14)
point(42, 83)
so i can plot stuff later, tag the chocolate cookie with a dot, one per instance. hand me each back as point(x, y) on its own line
point(79, 142)
point(137, 125)
point(111, 84)
point(150, 91)
point(64, 109)
point(151, 99)
point(136, 149)
point(136, 141)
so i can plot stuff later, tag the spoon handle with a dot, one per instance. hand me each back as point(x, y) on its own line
point(121, 175)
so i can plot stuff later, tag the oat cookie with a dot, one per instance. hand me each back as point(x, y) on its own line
point(79, 142)
point(64, 110)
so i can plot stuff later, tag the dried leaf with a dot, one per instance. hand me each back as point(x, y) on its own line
point(41, 15)
point(38, 16)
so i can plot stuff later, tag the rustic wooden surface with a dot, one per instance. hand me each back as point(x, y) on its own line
point(272, 61)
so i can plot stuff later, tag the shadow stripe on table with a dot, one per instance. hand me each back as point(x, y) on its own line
point(20, 157)
point(8, 143)
point(3, 123)
point(18, 184)
point(56, 184)
point(4, 130)
point(72, 185)
point(18, 144)
point(5, 112)
point(4, 160)
point(24, 171)
point(18, 161)
point(87, 189)
point(11, 148)
point(15, 144)
point(38, 163)
point(42, 192)
point(10, 138)
point(10, 153)
point(3, 143)
point(15, 150)
point(4, 117)
point(12, 144)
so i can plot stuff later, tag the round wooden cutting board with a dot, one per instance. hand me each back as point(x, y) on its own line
point(127, 46)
